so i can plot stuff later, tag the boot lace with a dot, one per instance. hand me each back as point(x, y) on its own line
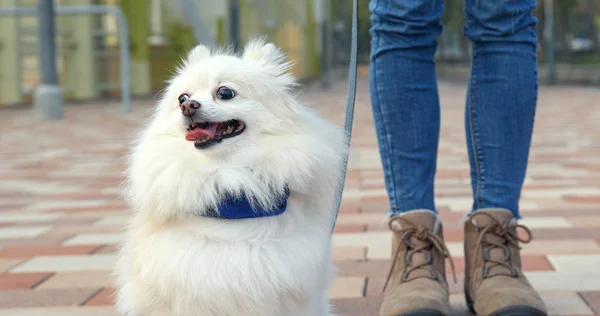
point(408, 230)
point(505, 236)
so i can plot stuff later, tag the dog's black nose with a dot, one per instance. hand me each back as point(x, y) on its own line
point(189, 107)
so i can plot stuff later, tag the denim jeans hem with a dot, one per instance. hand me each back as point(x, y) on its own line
point(393, 213)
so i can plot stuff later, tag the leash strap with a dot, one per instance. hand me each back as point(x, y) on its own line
point(349, 108)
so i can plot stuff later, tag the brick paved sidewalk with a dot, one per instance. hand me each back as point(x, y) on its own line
point(60, 212)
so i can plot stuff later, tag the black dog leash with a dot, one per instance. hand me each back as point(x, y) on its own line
point(349, 108)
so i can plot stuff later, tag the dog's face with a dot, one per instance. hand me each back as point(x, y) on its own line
point(229, 123)
point(220, 101)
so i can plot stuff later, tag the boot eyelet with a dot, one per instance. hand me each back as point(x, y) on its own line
point(506, 254)
point(407, 241)
point(404, 276)
point(428, 257)
point(485, 253)
point(514, 272)
point(408, 258)
point(485, 271)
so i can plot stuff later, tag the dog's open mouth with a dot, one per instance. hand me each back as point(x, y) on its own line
point(206, 134)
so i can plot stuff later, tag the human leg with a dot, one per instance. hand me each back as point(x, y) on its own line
point(406, 111)
point(499, 119)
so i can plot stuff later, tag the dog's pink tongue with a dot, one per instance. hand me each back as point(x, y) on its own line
point(202, 133)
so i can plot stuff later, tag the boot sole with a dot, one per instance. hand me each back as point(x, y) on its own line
point(423, 312)
point(519, 311)
point(509, 311)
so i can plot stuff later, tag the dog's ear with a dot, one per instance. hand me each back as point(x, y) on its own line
point(198, 53)
point(273, 59)
point(265, 53)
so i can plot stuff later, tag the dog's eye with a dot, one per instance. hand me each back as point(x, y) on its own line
point(182, 98)
point(225, 93)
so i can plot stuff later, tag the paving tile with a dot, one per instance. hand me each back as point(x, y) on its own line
point(582, 199)
point(75, 279)
point(78, 229)
point(26, 242)
point(60, 311)
point(7, 264)
point(349, 206)
point(364, 306)
point(347, 287)
point(576, 263)
point(39, 298)
point(40, 188)
point(16, 281)
point(71, 220)
point(378, 243)
point(112, 221)
point(46, 250)
point(456, 204)
point(67, 263)
point(585, 221)
point(110, 249)
point(565, 303)
point(95, 239)
point(107, 208)
point(22, 231)
point(95, 215)
point(103, 297)
point(29, 217)
point(363, 218)
point(558, 281)
point(67, 204)
point(361, 239)
point(570, 210)
point(349, 228)
point(453, 235)
point(374, 286)
point(593, 300)
point(349, 210)
point(367, 268)
point(566, 233)
point(375, 207)
point(569, 192)
point(348, 253)
point(565, 246)
point(546, 222)
point(463, 204)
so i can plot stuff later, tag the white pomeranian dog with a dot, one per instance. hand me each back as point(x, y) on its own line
point(231, 185)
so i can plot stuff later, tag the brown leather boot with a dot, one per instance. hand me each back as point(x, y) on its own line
point(416, 284)
point(494, 282)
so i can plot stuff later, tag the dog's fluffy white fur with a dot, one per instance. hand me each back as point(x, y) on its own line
point(176, 262)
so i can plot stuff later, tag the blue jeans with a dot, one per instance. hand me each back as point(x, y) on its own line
point(500, 105)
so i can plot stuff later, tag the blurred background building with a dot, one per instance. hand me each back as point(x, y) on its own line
point(314, 33)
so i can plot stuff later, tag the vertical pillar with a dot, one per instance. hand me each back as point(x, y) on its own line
point(310, 40)
point(549, 37)
point(322, 17)
point(138, 17)
point(10, 75)
point(48, 97)
point(156, 24)
point(270, 25)
point(234, 23)
point(81, 77)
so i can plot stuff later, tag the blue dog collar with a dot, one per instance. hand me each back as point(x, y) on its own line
point(239, 207)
